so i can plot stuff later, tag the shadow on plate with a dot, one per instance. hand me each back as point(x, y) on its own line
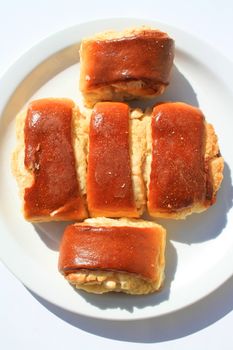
point(155, 330)
point(175, 325)
point(119, 300)
point(179, 89)
point(51, 232)
point(207, 225)
point(127, 302)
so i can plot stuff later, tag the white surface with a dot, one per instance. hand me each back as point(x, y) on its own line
point(25, 323)
point(31, 251)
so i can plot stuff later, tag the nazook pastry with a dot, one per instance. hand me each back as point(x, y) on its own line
point(184, 169)
point(49, 161)
point(113, 160)
point(106, 255)
point(54, 144)
point(116, 66)
point(116, 151)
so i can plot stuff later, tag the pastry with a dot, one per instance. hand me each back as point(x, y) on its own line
point(184, 167)
point(114, 174)
point(131, 64)
point(50, 175)
point(107, 255)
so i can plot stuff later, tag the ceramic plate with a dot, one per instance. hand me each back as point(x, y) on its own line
point(199, 249)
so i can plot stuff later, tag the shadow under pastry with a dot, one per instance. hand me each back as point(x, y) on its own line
point(51, 233)
point(130, 302)
point(207, 225)
point(179, 90)
point(175, 325)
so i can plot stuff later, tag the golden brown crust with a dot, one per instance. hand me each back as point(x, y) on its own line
point(140, 155)
point(25, 177)
point(214, 166)
point(103, 280)
point(80, 139)
point(122, 81)
point(109, 179)
point(137, 154)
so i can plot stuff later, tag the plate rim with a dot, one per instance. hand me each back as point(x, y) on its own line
point(24, 58)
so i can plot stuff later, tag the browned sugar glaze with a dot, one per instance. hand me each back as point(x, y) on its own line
point(109, 183)
point(147, 56)
point(49, 156)
point(127, 249)
point(179, 177)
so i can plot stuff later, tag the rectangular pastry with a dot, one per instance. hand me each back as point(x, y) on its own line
point(184, 167)
point(114, 176)
point(51, 176)
point(125, 65)
point(106, 255)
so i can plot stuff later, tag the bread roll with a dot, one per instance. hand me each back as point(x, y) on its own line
point(114, 176)
point(50, 175)
point(184, 167)
point(106, 255)
point(125, 65)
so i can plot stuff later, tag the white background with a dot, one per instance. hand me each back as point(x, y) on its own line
point(28, 322)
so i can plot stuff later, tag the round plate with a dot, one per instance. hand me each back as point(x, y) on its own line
point(199, 249)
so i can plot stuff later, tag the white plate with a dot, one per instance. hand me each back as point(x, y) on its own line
point(199, 249)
